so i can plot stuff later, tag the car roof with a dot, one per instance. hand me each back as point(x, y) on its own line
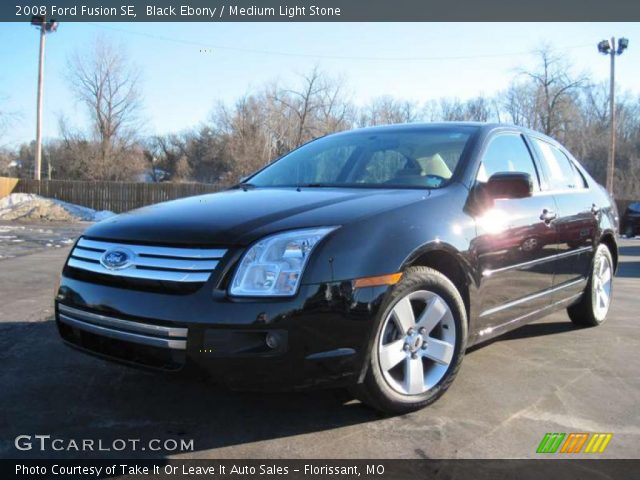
point(485, 127)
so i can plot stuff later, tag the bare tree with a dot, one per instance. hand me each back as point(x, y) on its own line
point(166, 150)
point(193, 155)
point(387, 110)
point(106, 83)
point(480, 109)
point(246, 141)
point(477, 109)
point(520, 105)
point(302, 103)
point(546, 99)
point(264, 125)
point(7, 157)
point(4, 122)
point(336, 111)
point(319, 106)
point(7, 117)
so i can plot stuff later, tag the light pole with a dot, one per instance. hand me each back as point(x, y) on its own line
point(607, 47)
point(45, 27)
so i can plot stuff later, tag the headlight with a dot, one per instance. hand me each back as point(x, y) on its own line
point(273, 266)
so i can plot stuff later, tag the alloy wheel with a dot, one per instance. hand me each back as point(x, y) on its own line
point(601, 284)
point(417, 342)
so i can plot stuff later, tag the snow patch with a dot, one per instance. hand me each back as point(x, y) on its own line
point(28, 206)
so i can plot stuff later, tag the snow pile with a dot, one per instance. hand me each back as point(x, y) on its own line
point(27, 206)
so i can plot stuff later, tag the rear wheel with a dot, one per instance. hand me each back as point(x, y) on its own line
point(594, 305)
point(419, 344)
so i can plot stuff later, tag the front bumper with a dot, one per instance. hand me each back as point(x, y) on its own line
point(322, 335)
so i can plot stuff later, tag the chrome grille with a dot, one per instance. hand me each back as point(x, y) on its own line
point(126, 330)
point(149, 262)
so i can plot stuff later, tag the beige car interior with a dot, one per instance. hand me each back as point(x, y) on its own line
point(434, 165)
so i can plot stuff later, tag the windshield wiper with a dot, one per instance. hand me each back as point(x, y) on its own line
point(312, 185)
point(245, 185)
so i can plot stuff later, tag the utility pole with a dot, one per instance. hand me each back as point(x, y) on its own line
point(611, 170)
point(607, 47)
point(45, 27)
point(38, 164)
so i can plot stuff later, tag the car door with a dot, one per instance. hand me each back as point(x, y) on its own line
point(577, 222)
point(516, 243)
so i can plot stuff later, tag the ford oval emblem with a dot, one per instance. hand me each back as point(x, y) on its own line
point(117, 259)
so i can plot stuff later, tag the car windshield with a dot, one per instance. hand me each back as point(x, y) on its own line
point(413, 158)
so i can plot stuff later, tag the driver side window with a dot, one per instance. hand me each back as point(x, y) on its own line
point(507, 153)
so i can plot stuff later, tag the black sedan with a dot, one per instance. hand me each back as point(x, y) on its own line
point(369, 259)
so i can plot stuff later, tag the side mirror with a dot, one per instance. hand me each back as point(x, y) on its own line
point(509, 185)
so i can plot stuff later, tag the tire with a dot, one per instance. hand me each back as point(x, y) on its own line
point(391, 389)
point(591, 311)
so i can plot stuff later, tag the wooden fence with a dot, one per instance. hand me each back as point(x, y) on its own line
point(115, 196)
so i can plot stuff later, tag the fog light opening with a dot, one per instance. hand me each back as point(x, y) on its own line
point(273, 341)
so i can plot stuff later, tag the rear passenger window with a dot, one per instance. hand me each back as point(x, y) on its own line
point(507, 153)
point(561, 172)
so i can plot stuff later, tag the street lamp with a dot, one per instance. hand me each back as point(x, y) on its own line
point(45, 27)
point(607, 47)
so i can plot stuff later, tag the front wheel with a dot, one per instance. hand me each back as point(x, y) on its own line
point(595, 302)
point(419, 344)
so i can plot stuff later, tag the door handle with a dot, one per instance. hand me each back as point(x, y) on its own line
point(547, 216)
point(595, 209)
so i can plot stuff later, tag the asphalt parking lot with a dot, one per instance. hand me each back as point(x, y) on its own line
point(546, 377)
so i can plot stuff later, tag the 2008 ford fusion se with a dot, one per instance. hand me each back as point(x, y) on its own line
point(369, 259)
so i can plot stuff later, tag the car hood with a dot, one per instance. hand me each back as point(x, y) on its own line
point(239, 217)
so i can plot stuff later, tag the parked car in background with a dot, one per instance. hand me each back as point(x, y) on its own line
point(369, 259)
point(631, 220)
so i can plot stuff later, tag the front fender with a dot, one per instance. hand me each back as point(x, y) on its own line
point(387, 242)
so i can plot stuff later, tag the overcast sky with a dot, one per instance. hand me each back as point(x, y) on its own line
point(419, 61)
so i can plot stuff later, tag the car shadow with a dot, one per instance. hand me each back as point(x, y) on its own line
point(529, 331)
point(539, 329)
point(49, 388)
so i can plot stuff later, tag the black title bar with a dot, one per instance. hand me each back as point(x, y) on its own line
point(322, 469)
point(322, 10)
